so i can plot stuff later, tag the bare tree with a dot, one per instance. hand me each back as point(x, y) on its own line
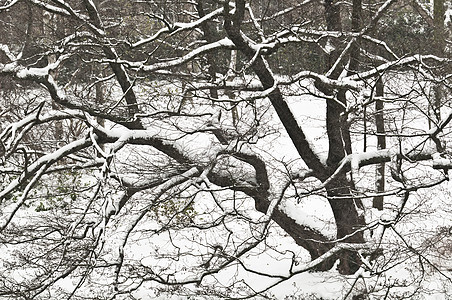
point(180, 161)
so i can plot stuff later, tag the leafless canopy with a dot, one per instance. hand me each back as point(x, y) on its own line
point(223, 148)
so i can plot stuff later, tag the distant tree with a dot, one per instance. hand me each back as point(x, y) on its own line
point(155, 147)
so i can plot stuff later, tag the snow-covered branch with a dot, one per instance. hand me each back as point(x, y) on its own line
point(8, 4)
point(224, 43)
point(178, 27)
point(406, 61)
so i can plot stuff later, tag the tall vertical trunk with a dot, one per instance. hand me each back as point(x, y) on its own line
point(209, 35)
point(439, 46)
point(344, 206)
point(49, 26)
point(232, 69)
point(381, 143)
point(438, 21)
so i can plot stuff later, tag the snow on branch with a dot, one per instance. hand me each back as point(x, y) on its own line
point(285, 11)
point(10, 131)
point(442, 162)
point(255, 85)
point(224, 43)
point(47, 159)
point(353, 162)
point(38, 74)
point(178, 27)
point(333, 251)
point(340, 83)
point(13, 133)
point(8, 5)
point(35, 171)
point(20, 202)
point(50, 8)
point(299, 268)
point(5, 49)
point(414, 59)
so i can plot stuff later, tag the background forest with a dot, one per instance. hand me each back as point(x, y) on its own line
point(208, 149)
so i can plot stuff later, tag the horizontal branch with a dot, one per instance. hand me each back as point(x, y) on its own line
point(178, 27)
point(406, 61)
point(224, 43)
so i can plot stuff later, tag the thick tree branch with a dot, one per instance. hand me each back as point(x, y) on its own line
point(266, 77)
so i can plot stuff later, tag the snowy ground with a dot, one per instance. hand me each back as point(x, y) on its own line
point(430, 213)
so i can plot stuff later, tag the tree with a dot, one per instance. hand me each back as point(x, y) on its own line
point(187, 149)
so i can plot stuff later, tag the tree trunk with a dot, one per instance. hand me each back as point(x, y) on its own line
point(345, 208)
point(439, 46)
point(49, 27)
point(209, 35)
point(338, 190)
point(348, 221)
point(381, 144)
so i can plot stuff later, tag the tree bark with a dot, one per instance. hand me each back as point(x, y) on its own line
point(338, 190)
point(49, 26)
point(121, 74)
point(439, 46)
point(344, 207)
point(209, 35)
point(381, 144)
